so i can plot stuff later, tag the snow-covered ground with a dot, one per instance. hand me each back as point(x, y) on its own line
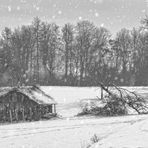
point(134, 135)
point(75, 132)
point(65, 95)
point(68, 98)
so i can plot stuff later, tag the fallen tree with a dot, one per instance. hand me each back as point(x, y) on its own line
point(117, 101)
point(127, 98)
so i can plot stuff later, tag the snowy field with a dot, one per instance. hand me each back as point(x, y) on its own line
point(68, 98)
point(75, 132)
point(133, 135)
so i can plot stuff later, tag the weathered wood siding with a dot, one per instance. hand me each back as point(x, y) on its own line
point(15, 106)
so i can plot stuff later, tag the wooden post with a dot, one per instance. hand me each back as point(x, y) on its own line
point(23, 115)
point(22, 105)
point(16, 114)
point(5, 114)
point(54, 108)
point(38, 112)
point(30, 114)
point(10, 113)
point(101, 93)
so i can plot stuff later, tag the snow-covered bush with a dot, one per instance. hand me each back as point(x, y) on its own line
point(112, 106)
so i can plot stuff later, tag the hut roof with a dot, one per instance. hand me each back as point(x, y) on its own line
point(32, 92)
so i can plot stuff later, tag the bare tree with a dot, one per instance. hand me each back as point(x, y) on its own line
point(68, 37)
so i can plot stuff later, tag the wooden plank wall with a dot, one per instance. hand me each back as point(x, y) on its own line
point(16, 107)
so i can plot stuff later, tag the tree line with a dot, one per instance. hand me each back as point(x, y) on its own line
point(73, 55)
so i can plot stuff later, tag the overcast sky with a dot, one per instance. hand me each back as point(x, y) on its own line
point(112, 14)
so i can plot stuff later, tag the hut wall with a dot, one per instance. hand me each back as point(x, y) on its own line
point(16, 106)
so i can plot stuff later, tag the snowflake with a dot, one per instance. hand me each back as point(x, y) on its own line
point(26, 80)
point(82, 122)
point(96, 1)
point(121, 80)
point(67, 119)
point(96, 14)
point(102, 25)
point(80, 18)
point(143, 11)
point(18, 8)
point(9, 8)
point(37, 8)
point(108, 18)
point(59, 12)
point(116, 78)
point(5, 64)
point(54, 5)
point(53, 17)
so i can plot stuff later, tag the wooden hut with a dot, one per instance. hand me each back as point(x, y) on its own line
point(25, 103)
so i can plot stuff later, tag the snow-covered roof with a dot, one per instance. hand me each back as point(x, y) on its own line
point(32, 92)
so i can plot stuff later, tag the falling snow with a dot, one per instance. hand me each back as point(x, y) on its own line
point(96, 14)
point(98, 11)
point(102, 25)
point(146, 2)
point(143, 11)
point(80, 18)
point(9, 8)
point(96, 1)
point(53, 17)
point(18, 8)
point(37, 8)
point(59, 12)
point(54, 5)
point(123, 14)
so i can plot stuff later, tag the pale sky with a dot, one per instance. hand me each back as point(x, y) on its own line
point(112, 14)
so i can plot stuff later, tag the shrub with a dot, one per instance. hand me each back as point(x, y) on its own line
point(93, 140)
point(113, 106)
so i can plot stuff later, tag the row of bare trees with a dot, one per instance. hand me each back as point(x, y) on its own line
point(77, 55)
